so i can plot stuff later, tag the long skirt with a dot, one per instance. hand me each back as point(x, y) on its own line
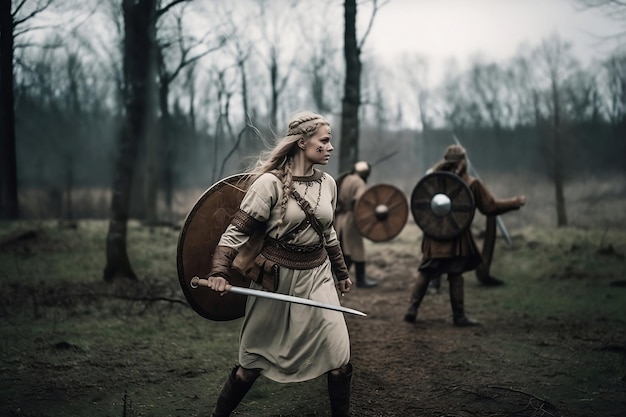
point(292, 342)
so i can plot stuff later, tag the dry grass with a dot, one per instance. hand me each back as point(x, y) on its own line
point(552, 343)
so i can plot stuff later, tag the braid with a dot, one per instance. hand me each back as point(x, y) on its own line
point(280, 159)
point(287, 180)
point(297, 122)
point(305, 131)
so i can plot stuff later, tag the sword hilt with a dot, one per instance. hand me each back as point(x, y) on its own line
point(197, 282)
point(203, 282)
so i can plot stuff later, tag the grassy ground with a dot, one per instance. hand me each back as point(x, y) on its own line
point(553, 340)
point(73, 345)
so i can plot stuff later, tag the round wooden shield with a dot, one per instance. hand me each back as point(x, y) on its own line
point(201, 232)
point(381, 212)
point(442, 205)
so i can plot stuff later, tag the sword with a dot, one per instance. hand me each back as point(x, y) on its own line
point(200, 282)
point(499, 221)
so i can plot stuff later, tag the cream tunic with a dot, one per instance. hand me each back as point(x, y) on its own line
point(352, 244)
point(292, 342)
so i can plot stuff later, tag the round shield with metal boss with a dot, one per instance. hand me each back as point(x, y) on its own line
point(442, 205)
point(201, 232)
point(381, 212)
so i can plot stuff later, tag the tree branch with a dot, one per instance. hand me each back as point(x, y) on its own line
point(32, 14)
point(164, 9)
point(371, 21)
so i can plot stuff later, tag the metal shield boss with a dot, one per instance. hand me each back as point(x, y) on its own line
point(381, 212)
point(201, 232)
point(442, 205)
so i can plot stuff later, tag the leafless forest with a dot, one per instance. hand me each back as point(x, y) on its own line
point(129, 109)
point(221, 67)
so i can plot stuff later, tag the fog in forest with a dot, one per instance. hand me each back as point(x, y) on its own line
point(227, 76)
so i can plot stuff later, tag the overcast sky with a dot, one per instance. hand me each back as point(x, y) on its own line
point(442, 29)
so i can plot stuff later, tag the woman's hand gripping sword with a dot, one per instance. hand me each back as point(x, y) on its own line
point(200, 282)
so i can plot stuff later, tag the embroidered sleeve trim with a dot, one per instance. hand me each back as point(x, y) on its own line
point(245, 222)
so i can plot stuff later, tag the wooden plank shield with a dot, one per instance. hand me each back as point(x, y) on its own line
point(201, 232)
point(381, 212)
point(442, 205)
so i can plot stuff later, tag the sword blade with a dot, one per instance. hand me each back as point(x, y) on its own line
point(195, 282)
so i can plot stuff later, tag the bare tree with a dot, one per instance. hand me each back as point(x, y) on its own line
point(223, 128)
point(322, 70)
point(8, 160)
point(615, 75)
point(273, 15)
point(240, 49)
point(616, 10)
point(320, 74)
point(415, 71)
point(458, 111)
point(19, 20)
point(11, 18)
point(554, 58)
point(181, 50)
point(375, 100)
point(582, 97)
point(524, 92)
point(486, 85)
point(139, 90)
point(349, 144)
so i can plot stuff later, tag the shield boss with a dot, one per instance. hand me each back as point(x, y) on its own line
point(381, 212)
point(442, 205)
point(201, 232)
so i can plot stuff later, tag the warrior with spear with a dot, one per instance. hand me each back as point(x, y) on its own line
point(443, 204)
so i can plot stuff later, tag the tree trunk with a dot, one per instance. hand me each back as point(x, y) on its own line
point(349, 143)
point(118, 263)
point(274, 93)
point(248, 139)
point(8, 158)
point(167, 146)
point(561, 214)
point(139, 33)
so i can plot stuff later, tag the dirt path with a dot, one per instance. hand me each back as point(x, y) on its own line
point(503, 368)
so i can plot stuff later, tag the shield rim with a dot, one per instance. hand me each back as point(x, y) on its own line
point(404, 211)
point(465, 188)
point(236, 299)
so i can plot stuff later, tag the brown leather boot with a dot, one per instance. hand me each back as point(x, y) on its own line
point(232, 393)
point(419, 291)
point(339, 388)
point(459, 318)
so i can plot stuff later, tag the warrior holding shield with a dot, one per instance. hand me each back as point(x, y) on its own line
point(351, 189)
point(294, 204)
point(377, 213)
point(443, 205)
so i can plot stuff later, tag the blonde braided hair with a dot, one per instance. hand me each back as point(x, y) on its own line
point(279, 160)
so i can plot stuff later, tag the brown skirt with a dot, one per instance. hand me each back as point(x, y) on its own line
point(455, 265)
